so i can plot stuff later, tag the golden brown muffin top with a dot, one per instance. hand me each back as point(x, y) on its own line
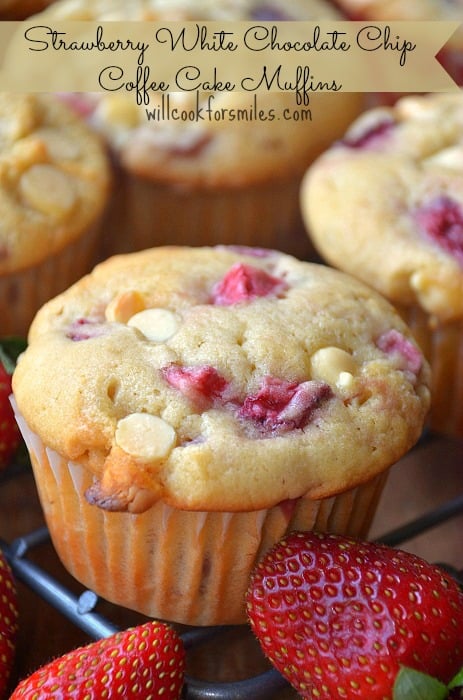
point(54, 178)
point(221, 379)
point(386, 203)
point(231, 138)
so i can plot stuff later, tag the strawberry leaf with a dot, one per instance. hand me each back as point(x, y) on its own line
point(414, 685)
point(10, 349)
point(457, 680)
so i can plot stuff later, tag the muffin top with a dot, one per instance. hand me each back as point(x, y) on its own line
point(54, 178)
point(386, 202)
point(221, 379)
point(223, 138)
point(185, 10)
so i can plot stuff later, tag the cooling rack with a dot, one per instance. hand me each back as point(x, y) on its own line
point(82, 608)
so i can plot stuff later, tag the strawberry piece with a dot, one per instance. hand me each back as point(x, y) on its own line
point(196, 383)
point(338, 617)
point(370, 137)
point(244, 283)
point(85, 328)
point(82, 104)
point(281, 406)
point(442, 221)
point(8, 622)
point(143, 662)
point(9, 432)
point(394, 343)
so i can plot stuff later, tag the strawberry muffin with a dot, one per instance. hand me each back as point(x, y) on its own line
point(386, 204)
point(451, 56)
point(186, 407)
point(54, 182)
point(230, 176)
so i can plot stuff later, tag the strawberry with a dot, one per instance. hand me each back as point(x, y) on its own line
point(8, 622)
point(244, 283)
point(9, 432)
point(339, 617)
point(142, 662)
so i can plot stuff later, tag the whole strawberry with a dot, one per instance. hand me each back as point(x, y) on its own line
point(339, 618)
point(9, 432)
point(141, 662)
point(8, 622)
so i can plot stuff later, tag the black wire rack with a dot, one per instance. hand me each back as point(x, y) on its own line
point(82, 609)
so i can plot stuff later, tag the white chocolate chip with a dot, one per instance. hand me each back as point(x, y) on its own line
point(412, 107)
point(124, 306)
point(59, 146)
point(345, 380)
point(431, 295)
point(157, 325)
point(48, 190)
point(145, 437)
point(119, 110)
point(451, 158)
point(334, 366)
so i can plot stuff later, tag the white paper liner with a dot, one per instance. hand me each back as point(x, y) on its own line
point(442, 345)
point(186, 567)
point(143, 214)
point(23, 293)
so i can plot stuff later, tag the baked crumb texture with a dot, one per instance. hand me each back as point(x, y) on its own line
point(54, 179)
point(386, 203)
point(221, 379)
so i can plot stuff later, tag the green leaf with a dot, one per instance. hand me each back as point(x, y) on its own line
point(457, 680)
point(414, 685)
point(10, 349)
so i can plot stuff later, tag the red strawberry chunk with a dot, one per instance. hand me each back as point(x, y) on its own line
point(142, 662)
point(394, 343)
point(373, 136)
point(244, 283)
point(201, 382)
point(339, 617)
point(442, 221)
point(82, 104)
point(85, 328)
point(9, 431)
point(282, 406)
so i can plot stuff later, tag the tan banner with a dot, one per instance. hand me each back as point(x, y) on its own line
point(299, 57)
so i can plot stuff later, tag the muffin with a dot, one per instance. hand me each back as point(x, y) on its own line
point(54, 179)
point(386, 205)
point(185, 407)
point(451, 56)
point(21, 9)
point(233, 179)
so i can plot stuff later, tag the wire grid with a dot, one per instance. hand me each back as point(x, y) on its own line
point(81, 609)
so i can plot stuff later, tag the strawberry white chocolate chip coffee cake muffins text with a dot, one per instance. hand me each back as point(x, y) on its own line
point(54, 180)
point(230, 175)
point(386, 204)
point(185, 407)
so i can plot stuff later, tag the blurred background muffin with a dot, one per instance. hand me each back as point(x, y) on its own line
point(386, 205)
point(214, 180)
point(54, 183)
point(21, 9)
point(451, 56)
